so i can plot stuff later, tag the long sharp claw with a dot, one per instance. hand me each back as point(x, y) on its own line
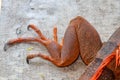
point(28, 28)
point(6, 46)
point(27, 60)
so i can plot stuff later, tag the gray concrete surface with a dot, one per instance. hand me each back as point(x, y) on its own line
point(104, 15)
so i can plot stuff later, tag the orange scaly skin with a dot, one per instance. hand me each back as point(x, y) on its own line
point(80, 39)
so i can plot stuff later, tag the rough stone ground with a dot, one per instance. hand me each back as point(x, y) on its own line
point(104, 15)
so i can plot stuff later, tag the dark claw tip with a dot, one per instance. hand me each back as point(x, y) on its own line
point(5, 47)
point(27, 60)
point(28, 28)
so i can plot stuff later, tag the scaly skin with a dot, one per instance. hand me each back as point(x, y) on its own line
point(80, 39)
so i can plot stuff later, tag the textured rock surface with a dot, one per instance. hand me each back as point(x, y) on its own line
point(104, 15)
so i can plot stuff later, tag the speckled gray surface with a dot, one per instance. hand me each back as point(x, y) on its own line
point(104, 15)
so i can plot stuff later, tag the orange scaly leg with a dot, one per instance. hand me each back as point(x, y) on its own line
point(31, 56)
point(29, 39)
point(37, 31)
point(55, 34)
point(55, 37)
